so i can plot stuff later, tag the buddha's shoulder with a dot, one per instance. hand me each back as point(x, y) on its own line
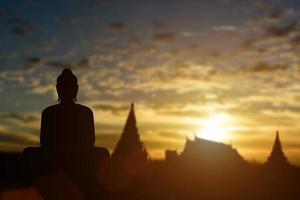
point(50, 109)
point(83, 108)
point(54, 108)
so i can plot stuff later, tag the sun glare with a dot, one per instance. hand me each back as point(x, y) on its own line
point(215, 127)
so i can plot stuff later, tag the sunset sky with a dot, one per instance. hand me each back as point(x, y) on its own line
point(226, 70)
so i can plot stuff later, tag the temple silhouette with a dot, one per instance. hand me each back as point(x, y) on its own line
point(209, 152)
point(130, 151)
point(68, 165)
point(277, 157)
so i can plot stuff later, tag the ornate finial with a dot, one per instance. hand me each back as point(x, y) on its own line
point(277, 136)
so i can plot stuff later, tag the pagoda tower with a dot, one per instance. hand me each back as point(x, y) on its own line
point(130, 150)
point(277, 157)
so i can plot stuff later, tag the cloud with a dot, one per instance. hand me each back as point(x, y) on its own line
point(44, 89)
point(18, 138)
point(15, 23)
point(295, 41)
point(224, 28)
point(36, 61)
point(84, 62)
point(58, 64)
point(108, 140)
point(164, 37)
point(112, 108)
point(265, 67)
point(281, 31)
point(154, 144)
point(70, 20)
point(192, 34)
point(183, 112)
point(247, 43)
point(271, 28)
point(277, 14)
point(117, 26)
point(21, 117)
point(158, 24)
point(22, 30)
point(170, 135)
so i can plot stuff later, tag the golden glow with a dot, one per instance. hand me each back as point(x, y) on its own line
point(215, 127)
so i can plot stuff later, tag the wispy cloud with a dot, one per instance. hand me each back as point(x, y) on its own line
point(117, 26)
point(164, 37)
point(159, 24)
point(22, 117)
point(224, 28)
point(114, 109)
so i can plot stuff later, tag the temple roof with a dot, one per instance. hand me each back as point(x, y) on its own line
point(206, 151)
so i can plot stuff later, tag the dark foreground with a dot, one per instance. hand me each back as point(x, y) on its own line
point(174, 178)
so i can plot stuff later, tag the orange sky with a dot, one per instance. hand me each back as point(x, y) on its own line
point(223, 70)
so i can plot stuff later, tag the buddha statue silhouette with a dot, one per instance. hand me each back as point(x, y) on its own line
point(67, 135)
point(67, 128)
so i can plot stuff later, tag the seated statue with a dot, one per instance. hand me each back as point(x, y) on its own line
point(67, 134)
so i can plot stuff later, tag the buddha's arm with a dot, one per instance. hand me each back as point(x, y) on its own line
point(91, 129)
point(44, 138)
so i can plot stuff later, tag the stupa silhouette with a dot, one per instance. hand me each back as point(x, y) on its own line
point(277, 157)
point(130, 150)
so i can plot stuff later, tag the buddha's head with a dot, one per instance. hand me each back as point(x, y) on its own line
point(66, 86)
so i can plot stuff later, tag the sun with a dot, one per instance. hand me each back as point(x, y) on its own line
point(215, 127)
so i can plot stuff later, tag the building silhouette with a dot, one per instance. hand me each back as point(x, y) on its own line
point(277, 157)
point(130, 151)
point(210, 152)
point(171, 155)
point(203, 170)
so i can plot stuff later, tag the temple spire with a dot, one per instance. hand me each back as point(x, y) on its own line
point(277, 144)
point(130, 143)
point(277, 157)
point(130, 125)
